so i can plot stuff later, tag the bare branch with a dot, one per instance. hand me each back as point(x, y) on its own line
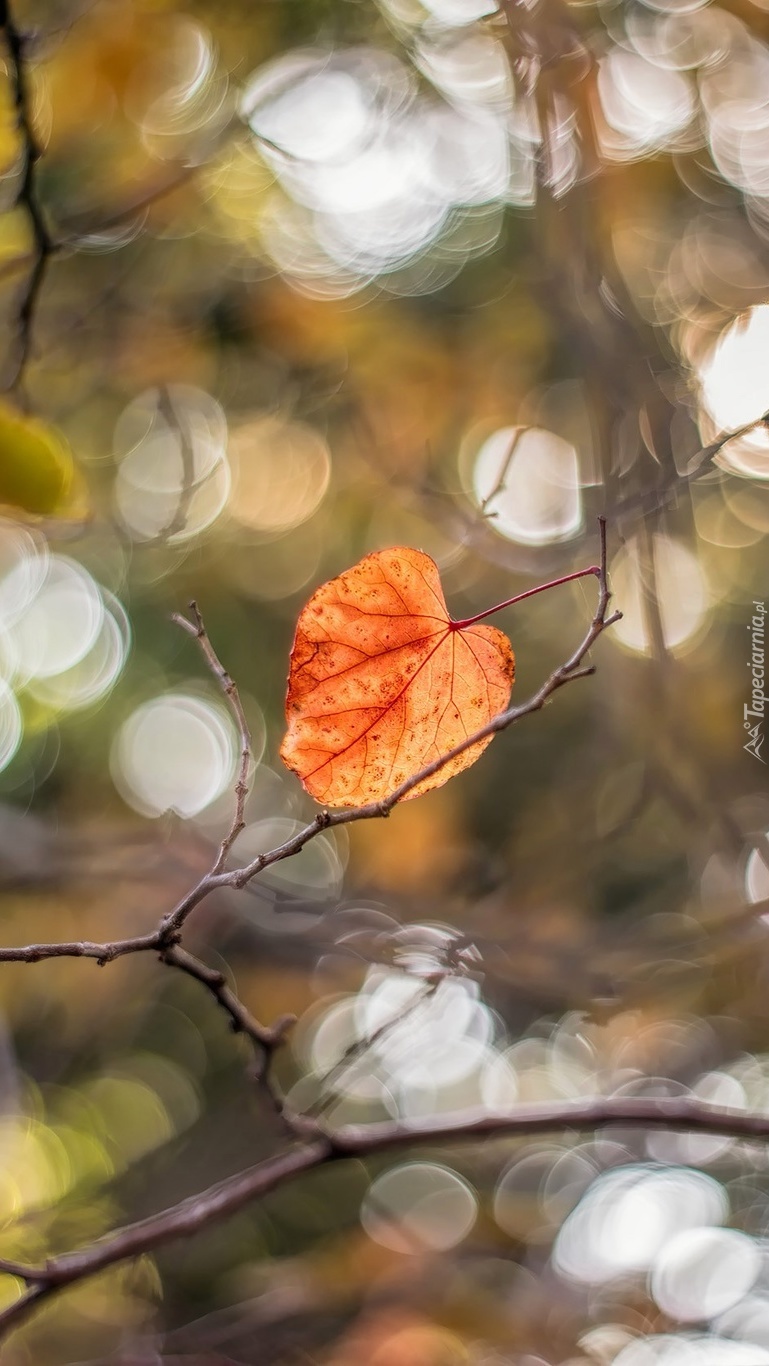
point(180, 1221)
point(195, 1213)
point(358, 1050)
point(229, 688)
point(565, 673)
point(243, 1022)
point(501, 480)
point(102, 953)
point(218, 877)
point(316, 1146)
point(265, 1039)
point(100, 220)
point(698, 465)
point(23, 1273)
point(96, 221)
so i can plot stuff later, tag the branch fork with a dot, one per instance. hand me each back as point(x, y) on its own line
point(311, 1143)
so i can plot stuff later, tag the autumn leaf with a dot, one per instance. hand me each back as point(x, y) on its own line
point(382, 682)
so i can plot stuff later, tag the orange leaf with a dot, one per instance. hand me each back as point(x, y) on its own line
point(382, 682)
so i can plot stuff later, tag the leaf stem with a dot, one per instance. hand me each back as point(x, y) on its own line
point(553, 583)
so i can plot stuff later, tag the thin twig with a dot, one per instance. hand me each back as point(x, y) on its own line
point(358, 1050)
point(218, 877)
point(501, 479)
point(98, 220)
point(315, 1147)
point(697, 466)
point(189, 485)
point(266, 1039)
point(84, 948)
point(197, 629)
point(242, 1021)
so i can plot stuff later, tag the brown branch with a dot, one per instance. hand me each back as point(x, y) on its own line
point(243, 1022)
point(656, 498)
point(180, 1221)
point(317, 1147)
point(189, 485)
point(95, 221)
point(102, 953)
point(360, 1047)
point(218, 877)
point(197, 629)
point(266, 1039)
point(99, 219)
point(227, 1197)
point(501, 480)
point(27, 197)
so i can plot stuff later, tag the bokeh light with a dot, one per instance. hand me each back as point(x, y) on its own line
point(527, 484)
point(629, 1216)
point(174, 753)
point(735, 390)
point(173, 476)
point(757, 873)
point(432, 1044)
point(419, 1207)
point(64, 640)
point(645, 106)
point(182, 91)
point(378, 171)
point(11, 725)
point(669, 581)
point(282, 472)
point(63, 622)
point(704, 1271)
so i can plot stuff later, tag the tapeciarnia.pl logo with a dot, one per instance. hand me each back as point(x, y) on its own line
point(754, 713)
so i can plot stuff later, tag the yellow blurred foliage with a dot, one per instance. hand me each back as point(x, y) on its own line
point(38, 475)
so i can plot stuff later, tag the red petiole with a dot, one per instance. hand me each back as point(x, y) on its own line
point(519, 597)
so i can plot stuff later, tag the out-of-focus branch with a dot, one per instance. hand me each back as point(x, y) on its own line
point(27, 198)
point(358, 1050)
point(235, 1192)
point(99, 219)
point(654, 499)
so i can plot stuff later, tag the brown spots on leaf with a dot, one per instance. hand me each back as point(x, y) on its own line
point(386, 702)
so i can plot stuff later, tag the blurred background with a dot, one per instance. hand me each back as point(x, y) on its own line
point(329, 277)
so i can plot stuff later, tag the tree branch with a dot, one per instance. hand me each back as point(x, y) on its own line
point(227, 1197)
point(565, 673)
point(317, 1146)
point(198, 630)
point(218, 876)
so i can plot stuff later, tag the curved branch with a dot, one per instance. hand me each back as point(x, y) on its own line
point(227, 1197)
point(325, 820)
point(317, 1146)
point(165, 938)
